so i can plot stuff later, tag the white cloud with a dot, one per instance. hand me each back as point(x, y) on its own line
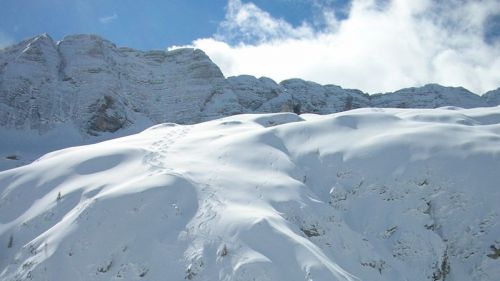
point(108, 19)
point(246, 22)
point(377, 48)
point(5, 40)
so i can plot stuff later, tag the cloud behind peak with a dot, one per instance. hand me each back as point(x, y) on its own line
point(379, 46)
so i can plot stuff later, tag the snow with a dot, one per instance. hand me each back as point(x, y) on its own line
point(84, 89)
point(27, 145)
point(366, 194)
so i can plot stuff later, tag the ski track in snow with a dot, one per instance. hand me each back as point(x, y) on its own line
point(158, 158)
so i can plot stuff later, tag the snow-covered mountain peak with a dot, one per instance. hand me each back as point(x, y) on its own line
point(84, 39)
point(42, 39)
point(81, 72)
point(88, 89)
point(30, 55)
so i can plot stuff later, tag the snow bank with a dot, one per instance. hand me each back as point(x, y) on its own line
point(368, 194)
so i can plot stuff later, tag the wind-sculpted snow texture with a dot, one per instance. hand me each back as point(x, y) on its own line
point(367, 194)
point(84, 89)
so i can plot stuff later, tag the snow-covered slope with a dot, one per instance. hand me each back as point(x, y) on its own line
point(367, 194)
point(87, 89)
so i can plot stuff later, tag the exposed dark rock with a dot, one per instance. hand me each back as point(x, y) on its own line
point(495, 252)
point(108, 116)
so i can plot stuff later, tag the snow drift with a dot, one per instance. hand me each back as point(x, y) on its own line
point(368, 194)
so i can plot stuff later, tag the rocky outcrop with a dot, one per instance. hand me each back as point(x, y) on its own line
point(107, 116)
point(311, 97)
point(429, 96)
point(492, 97)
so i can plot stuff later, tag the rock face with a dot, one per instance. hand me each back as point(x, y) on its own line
point(89, 81)
point(107, 116)
point(492, 97)
point(89, 84)
point(429, 96)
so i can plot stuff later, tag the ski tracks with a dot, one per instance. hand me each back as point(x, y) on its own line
point(158, 157)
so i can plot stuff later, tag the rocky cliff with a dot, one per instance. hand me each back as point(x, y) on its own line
point(99, 87)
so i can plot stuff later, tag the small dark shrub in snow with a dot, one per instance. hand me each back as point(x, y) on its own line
point(296, 109)
point(223, 252)
point(496, 252)
point(105, 268)
point(11, 241)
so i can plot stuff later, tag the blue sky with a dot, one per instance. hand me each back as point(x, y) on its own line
point(372, 45)
point(149, 24)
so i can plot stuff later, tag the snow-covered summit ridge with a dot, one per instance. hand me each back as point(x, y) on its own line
point(368, 194)
point(84, 89)
point(89, 81)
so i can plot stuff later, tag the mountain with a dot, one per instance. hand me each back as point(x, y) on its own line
point(101, 88)
point(492, 97)
point(84, 89)
point(366, 194)
point(431, 96)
